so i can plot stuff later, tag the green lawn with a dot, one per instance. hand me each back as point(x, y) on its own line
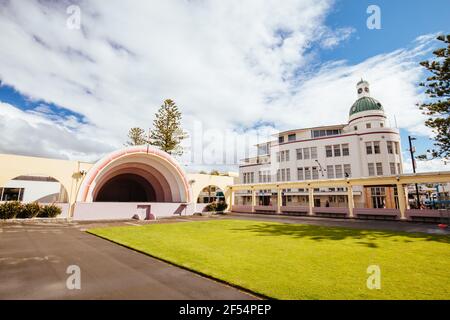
point(294, 261)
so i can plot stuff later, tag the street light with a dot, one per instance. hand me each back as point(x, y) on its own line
point(321, 168)
point(412, 150)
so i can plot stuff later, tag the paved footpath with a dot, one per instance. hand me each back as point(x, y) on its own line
point(34, 258)
point(403, 226)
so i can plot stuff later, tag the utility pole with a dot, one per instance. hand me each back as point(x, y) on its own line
point(412, 150)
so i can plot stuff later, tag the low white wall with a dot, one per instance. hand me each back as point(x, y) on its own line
point(200, 207)
point(126, 210)
point(64, 209)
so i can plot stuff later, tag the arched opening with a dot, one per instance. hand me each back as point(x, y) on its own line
point(210, 194)
point(34, 188)
point(126, 187)
point(135, 174)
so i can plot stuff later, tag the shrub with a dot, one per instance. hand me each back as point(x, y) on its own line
point(221, 206)
point(10, 209)
point(216, 206)
point(49, 211)
point(29, 210)
point(211, 207)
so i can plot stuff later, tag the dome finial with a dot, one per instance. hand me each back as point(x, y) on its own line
point(362, 88)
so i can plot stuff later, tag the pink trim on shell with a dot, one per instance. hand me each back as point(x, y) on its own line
point(138, 150)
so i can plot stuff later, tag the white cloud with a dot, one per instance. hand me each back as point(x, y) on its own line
point(28, 133)
point(332, 38)
point(228, 64)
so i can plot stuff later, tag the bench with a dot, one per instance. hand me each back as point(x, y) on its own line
point(376, 214)
point(241, 209)
point(265, 209)
point(428, 215)
point(295, 210)
point(331, 212)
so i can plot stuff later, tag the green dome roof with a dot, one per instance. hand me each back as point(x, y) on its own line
point(365, 104)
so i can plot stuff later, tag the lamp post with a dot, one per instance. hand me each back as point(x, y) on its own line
point(321, 168)
point(412, 150)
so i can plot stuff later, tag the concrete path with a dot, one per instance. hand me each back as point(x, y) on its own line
point(34, 258)
point(430, 228)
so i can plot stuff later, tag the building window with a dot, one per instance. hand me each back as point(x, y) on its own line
point(371, 168)
point(291, 137)
point(315, 173)
point(300, 176)
point(368, 126)
point(392, 167)
point(287, 155)
point(314, 153)
point(399, 168)
point(263, 149)
point(397, 205)
point(381, 124)
point(328, 151)
point(355, 128)
point(338, 171)
point(378, 195)
point(330, 172)
point(264, 176)
point(337, 150)
point(305, 153)
point(278, 175)
point(299, 154)
point(307, 174)
point(280, 139)
point(376, 147)
point(369, 149)
point(282, 156)
point(11, 194)
point(396, 147)
point(345, 150)
point(277, 156)
point(323, 133)
point(249, 177)
point(379, 169)
point(288, 174)
point(390, 148)
point(347, 170)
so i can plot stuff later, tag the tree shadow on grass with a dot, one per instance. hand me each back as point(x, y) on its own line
point(318, 233)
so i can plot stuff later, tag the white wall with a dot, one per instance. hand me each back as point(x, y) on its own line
point(35, 190)
point(126, 210)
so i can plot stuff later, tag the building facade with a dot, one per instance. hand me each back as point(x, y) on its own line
point(363, 147)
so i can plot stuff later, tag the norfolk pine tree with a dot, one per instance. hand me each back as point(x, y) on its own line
point(136, 137)
point(437, 87)
point(167, 133)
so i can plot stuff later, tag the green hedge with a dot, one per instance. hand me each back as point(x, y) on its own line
point(15, 209)
point(49, 211)
point(29, 210)
point(10, 209)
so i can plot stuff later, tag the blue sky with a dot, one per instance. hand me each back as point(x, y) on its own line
point(401, 22)
point(208, 57)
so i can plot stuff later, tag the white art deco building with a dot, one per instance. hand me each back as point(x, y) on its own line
point(365, 146)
